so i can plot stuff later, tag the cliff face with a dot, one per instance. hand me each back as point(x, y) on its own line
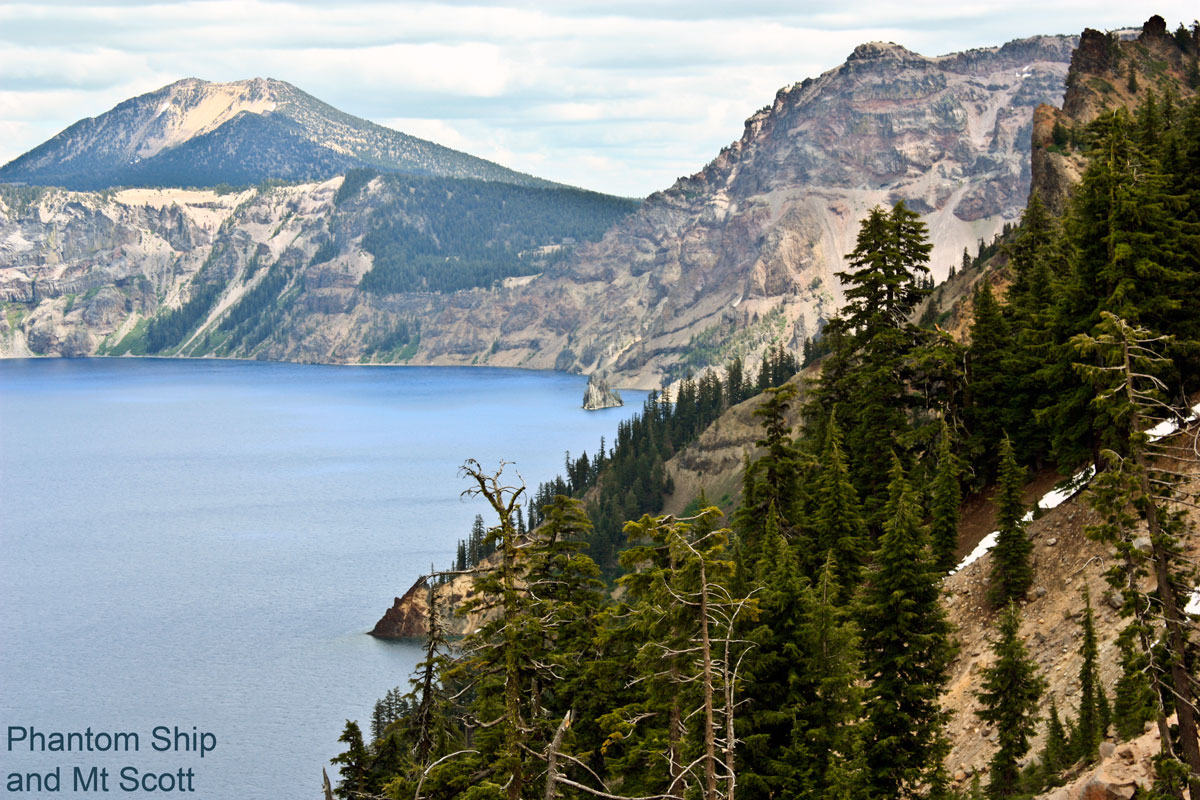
point(1100, 79)
point(409, 615)
point(737, 255)
point(744, 251)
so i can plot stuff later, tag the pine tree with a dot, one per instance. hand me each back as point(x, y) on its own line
point(1012, 574)
point(1131, 395)
point(906, 651)
point(1056, 755)
point(945, 503)
point(545, 595)
point(355, 763)
point(1134, 703)
point(680, 584)
point(838, 526)
point(770, 481)
point(775, 667)
point(989, 382)
point(1088, 733)
point(1011, 689)
point(827, 734)
point(891, 255)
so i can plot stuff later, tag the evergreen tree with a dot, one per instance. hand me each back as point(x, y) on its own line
point(1134, 701)
point(1131, 394)
point(1056, 755)
point(771, 481)
point(680, 585)
point(355, 763)
point(1012, 574)
point(827, 734)
point(989, 382)
point(1088, 731)
point(945, 504)
point(838, 526)
point(775, 667)
point(906, 651)
point(891, 255)
point(1011, 690)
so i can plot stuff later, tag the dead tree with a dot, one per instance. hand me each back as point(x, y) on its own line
point(1142, 484)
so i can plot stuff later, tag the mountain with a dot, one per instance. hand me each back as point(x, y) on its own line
point(197, 133)
point(744, 252)
point(740, 254)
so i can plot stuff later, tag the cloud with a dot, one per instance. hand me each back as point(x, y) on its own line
point(621, 95)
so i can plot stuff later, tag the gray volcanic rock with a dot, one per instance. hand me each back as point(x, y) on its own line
point(744, 252)
point(599, 394)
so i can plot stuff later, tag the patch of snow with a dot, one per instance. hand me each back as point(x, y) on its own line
point(1052, 499)
point(1193, 606)
point(1067, 489)
point(1169, 426)
point(985, 544)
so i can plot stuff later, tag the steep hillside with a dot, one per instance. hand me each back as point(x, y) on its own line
point(197, 133)
point(1107, 71)
point(1098, 81)
point(291, 272)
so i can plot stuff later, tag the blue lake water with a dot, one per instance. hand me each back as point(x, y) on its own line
point(203, 544)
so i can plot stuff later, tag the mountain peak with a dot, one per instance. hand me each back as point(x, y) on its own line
point(869, 51)
point(195, 132)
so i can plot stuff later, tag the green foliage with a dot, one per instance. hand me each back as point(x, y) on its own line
point(171, 327)
point(446, 235)
point(989, 378)
point(891, 254)
point(1056, 754)
point(839, 532)
point(1088, 730)
point(1135, 702)
point(906, 652)
point(945, 504)
point(1009, 695)
point(353, 183)
point(1012, 574)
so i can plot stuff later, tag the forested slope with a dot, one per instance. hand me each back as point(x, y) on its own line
point(809, 648)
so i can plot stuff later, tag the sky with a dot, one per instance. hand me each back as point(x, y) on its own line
point(622, 96)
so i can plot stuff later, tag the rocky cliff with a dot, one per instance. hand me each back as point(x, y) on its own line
point(599, 394)
point(744, 251)
point(740, 254)
point(1108, 70)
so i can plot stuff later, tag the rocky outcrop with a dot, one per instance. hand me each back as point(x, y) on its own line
point(1125, 770)
point(599, 394)
point(409, 615)
point(1099, 80)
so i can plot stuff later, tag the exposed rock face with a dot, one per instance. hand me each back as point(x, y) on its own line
point(1098, 80)
point(744, 251)
point(1125, 770)
point(599, 394)
point(738, 255)
point(409, 615)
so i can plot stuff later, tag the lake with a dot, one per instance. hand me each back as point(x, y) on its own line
point(202, 546)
